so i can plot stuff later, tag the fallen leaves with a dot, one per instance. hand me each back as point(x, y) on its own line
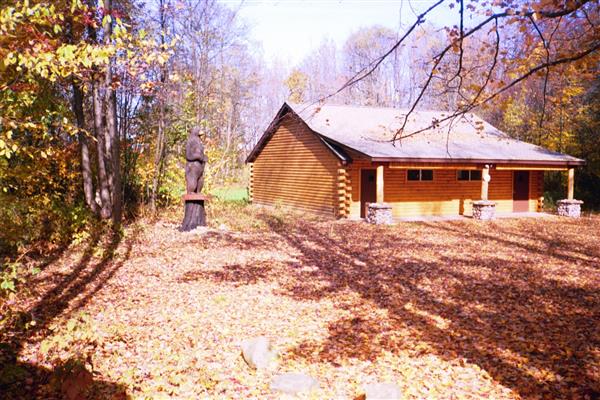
point(508, 309)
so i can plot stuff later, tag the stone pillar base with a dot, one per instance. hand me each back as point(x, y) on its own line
point(484, 210)
point(569, 208)
point(379, 214)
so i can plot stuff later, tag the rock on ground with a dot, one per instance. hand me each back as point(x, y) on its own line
point(382, 391)
point(293, 383)
point(257, 352)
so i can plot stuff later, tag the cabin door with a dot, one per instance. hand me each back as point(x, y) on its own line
point(520, 191)
point(368, 189)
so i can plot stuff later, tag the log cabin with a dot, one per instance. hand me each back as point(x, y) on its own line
point(335, 160)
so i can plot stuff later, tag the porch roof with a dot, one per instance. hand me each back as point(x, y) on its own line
point(468, 139)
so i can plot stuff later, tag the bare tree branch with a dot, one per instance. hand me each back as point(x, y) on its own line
point(494, 17)
point(546, 76)
point(371, 67)
point(460, 45)
point(526, 75)
point(532, 15)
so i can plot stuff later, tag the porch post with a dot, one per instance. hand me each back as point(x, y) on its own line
point(379, 213)
point(571, 184)
point(484, 209)
point(379, 184)
point(485, 179)
point(570, 207)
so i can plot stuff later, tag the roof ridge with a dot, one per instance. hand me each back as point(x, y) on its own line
point(317, 104)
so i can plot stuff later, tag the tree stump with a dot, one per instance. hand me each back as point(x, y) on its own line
point(195, 215)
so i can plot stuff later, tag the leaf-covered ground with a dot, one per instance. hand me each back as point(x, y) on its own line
point(450, 310)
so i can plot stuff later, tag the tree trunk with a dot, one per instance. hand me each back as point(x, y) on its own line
point(158, 158)
point(77, 104)
point(105, 198)
point(86, 169)
point(117, 195)
point(194, 215)
point(159, 154)
point(99, 132)
point(113, 152)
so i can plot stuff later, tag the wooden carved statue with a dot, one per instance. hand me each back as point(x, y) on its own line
point(195, 214)
point(195, 157)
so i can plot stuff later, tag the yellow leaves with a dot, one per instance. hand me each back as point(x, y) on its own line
point(106, 20)
point(7, 149)
point(54, 63)
point(10, 59)
point(75, 4)
point(297, 83)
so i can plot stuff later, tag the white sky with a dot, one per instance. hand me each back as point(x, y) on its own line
point(290, 29)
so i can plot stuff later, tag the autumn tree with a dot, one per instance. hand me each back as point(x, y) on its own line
point(297, 84)
point(63, 67)
point(546, 34)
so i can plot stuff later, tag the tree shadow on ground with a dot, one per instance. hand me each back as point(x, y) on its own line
point(28, 381)
point(456, 290)
point(237, 273)
point(533, 239)
point(61, 296)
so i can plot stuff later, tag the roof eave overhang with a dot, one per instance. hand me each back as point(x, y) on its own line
point(554, 163)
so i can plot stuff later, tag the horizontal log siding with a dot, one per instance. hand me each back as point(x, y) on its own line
point(445, 195)
point(296, 170)
point(536, 190)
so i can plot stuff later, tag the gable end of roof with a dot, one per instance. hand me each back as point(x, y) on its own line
point(285, 110)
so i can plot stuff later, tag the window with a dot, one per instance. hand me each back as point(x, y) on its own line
point(468, 175)
point(419, 175)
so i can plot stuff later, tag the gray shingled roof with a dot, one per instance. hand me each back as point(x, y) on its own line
point(468, 139)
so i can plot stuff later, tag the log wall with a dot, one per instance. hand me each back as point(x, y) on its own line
point(445, 195)
point(295, 169)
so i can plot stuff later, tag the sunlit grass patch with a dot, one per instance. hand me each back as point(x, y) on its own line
point(231, 193)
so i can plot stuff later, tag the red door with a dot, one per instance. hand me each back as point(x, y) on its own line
point(368, 189)
point(520, 191)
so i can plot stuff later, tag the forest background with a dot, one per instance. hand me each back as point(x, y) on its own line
point(97, 98)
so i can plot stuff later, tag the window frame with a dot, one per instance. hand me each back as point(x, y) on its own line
point(470, 173)
point(420, 170)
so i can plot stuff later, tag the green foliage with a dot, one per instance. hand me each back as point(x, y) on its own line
point(12, 273)
point(8, 277)
point(173, 183)
point(49, 222)
point(77, 337)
